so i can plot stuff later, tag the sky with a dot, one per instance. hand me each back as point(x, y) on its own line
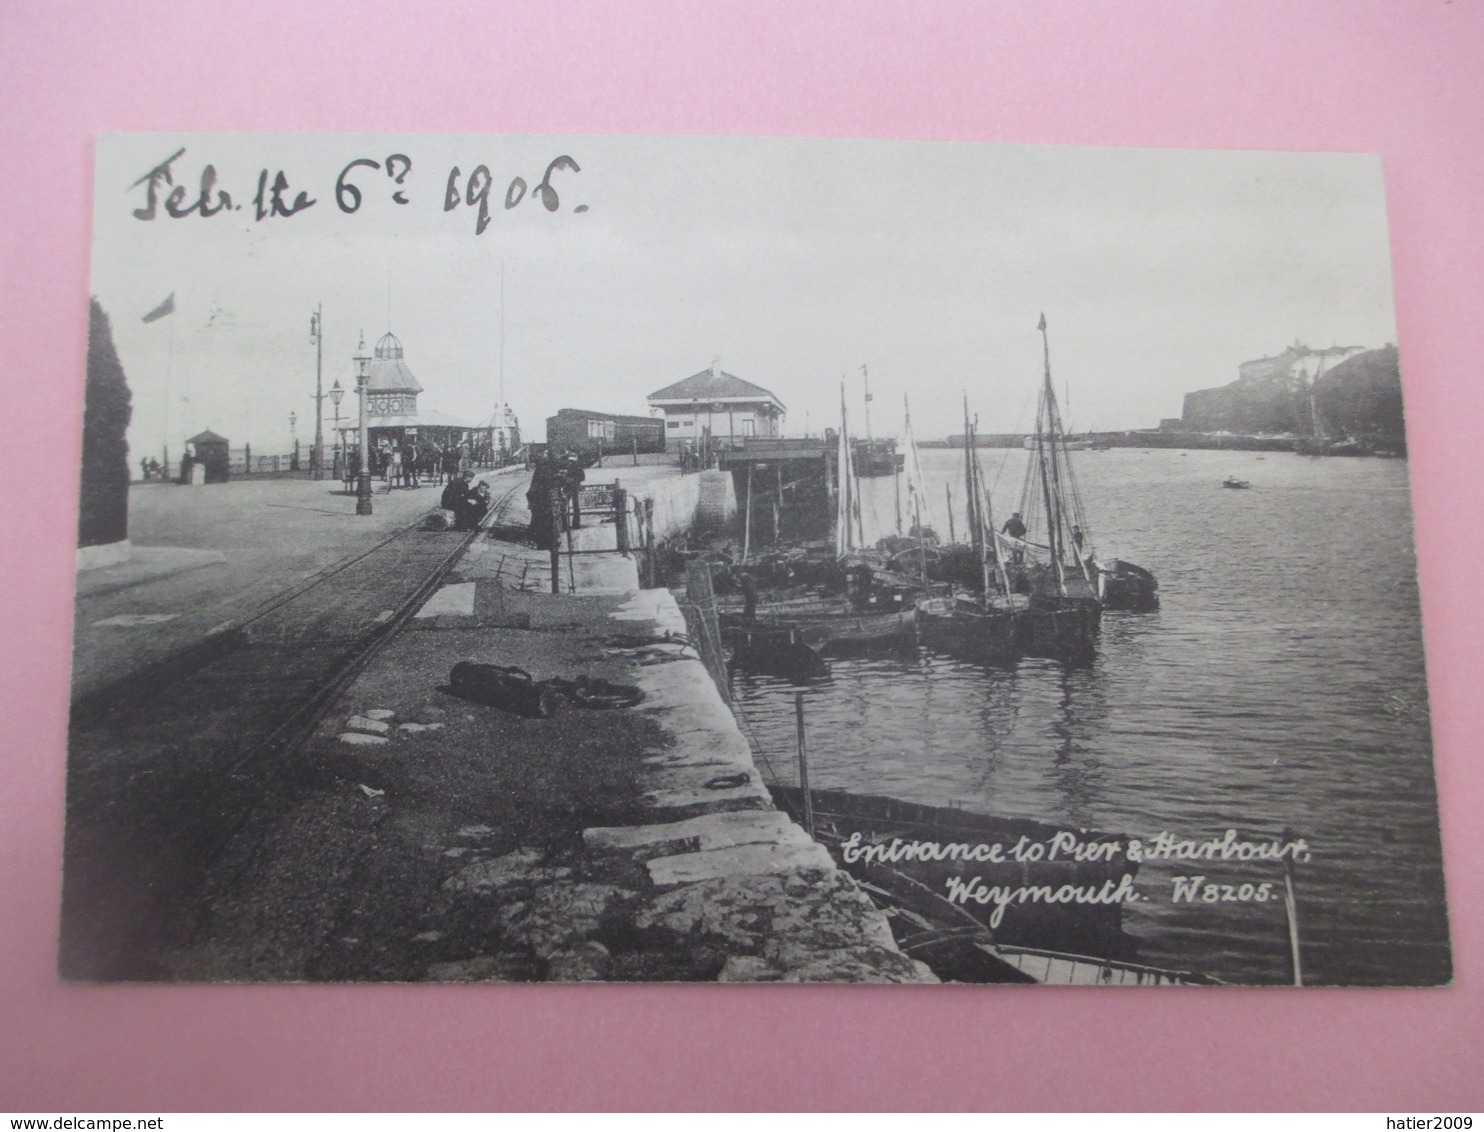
point(794, 261)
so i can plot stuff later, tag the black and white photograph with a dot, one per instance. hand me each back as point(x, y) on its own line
point(747, 560)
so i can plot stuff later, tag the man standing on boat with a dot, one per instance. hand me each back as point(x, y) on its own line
point(1015, 528)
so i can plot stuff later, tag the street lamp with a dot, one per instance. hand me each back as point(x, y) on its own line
point(363, 481)
point(317, 336)
point(335, 394)
point(294, 440)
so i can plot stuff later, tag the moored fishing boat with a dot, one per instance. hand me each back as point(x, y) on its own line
point(773, 650)
point(987, 624)
point(964, 627)
point(859, 605)
point(1017, 881)
point(1049, 543)
point(911, 860)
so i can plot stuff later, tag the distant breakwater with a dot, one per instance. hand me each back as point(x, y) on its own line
point(1137, 440)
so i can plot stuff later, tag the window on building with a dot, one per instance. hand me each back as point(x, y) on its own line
point(601, 430)
point(672, 424)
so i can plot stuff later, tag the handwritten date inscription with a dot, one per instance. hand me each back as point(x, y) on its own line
point(276, 196)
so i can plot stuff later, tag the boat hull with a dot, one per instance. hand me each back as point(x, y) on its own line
point(1060, 629)
point(959, 629)
point(848, 823)
point(773, 651)
point(1124, 586)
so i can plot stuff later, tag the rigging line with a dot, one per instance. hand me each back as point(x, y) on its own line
point(1005, 459)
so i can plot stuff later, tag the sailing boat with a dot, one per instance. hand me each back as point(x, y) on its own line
point(1047, 544)
point(910, 553)
point(865, 615)
point(1321, 442)
point(874, 457)
point(983, 626)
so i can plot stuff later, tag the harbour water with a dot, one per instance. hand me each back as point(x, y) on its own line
point(1280, 685)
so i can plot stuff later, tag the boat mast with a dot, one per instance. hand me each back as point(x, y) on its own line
point(1314, 401)
point(981, 509)
point(991, 535)
point(896, 481)
point(914, 491)
point(855, 503)
point(1043, 429)
point(1069, 519)
point(970, 517)
point(843, 485)
point(981, 542)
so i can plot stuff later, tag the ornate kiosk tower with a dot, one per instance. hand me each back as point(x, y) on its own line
point(391, 387)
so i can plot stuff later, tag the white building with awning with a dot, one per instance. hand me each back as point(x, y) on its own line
point(719, 404)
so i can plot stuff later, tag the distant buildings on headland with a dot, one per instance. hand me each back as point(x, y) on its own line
point(1335, 399)
point(1346, 397)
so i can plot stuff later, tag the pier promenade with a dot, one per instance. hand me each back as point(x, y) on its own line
point(399, 832)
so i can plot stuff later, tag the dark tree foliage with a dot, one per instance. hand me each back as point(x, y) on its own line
point(104, 516)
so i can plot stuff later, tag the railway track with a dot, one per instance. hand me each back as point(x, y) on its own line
point(166, 765)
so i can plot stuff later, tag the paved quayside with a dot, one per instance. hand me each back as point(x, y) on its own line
point(426, 837)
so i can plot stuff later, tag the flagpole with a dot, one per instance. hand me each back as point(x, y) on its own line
point(319, 392)
point(499, 432)
point(164, 310)
point(169, 393)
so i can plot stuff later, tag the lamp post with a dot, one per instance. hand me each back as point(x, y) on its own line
point(335, 394)
point(294, 440)
point(317, 335)
point(363, 481)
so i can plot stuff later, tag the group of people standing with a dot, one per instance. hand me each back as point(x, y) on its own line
point(408, 464)
point(553, 477)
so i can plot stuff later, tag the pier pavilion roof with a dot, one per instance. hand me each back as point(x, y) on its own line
point(422, 418)
point(713, 385)
point(389, 372)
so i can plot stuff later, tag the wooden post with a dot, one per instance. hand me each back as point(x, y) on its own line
point(747, 522)
point(621, 517)
point(571, 564)
point(804, 764)
point(948, 491)
point(554, 504)
point(896, 476)
point(777, 502)
point(1290, 905)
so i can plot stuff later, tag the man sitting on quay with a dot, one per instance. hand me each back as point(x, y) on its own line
point(467, 501)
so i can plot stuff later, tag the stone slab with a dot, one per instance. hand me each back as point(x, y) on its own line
point(453, 600)
point(710, 831)
point(738, 861)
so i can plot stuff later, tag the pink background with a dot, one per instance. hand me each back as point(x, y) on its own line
point(1402, 79)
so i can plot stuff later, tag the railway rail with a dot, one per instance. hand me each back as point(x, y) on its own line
point(167, 764)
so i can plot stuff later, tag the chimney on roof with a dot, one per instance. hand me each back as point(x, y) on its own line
point(715, 365)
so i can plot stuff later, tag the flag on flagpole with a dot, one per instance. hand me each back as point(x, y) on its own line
point(167, 307)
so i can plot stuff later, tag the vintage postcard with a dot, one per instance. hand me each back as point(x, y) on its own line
point(744, 560)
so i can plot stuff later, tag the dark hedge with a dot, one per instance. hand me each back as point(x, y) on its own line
point(104, 515)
